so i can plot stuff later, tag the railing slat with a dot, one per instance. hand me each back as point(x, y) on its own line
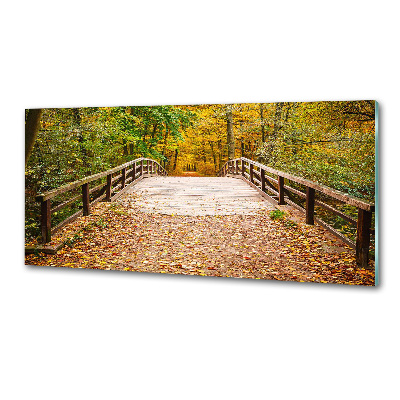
point(108, 188)
point(123, 176)
point(310, 203)
point(133, 172)
point(363, 237)
point(65, 203)
point(263, 180)
point(281, 190)
point(46, 221)
point(85, 199)
point(335, 211)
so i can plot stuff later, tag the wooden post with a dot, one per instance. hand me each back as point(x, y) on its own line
point(281, 182)
point(310, 202)
point(251, 172)
point(45, 221)
point(243, 167)
point(85, 199)
point(141, 167)
point(262, 173)
point(134, 172)
point(363, 237)
point(108, 189)
point(123, 174)
point(237, 167)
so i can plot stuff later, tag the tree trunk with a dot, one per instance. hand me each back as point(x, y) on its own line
point(262, 122)
point(175, 159)
point(31, 130)
point(165, 144)
point(214, 158)
point(277, 128)
point(146, 126)
point(153, 135)
point(229, 129)
point(220, 155)
point(81, 139)
point(165, 139)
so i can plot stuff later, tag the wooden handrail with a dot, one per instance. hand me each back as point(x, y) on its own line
point(253, 178)
point(105, 190)
point(344, 197)
point(69, 186)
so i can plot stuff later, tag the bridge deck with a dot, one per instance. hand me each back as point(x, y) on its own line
point(202, 226)
point(195, 196)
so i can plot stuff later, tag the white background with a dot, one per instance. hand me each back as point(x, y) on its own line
point(81, 334)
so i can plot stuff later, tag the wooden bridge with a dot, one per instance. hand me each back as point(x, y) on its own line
point(257, 188)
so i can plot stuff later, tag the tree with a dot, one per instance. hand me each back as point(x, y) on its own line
point(32, 123)
point(230, 138)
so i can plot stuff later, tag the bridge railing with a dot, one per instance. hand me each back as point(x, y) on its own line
point(277, 192)
point(118, 180)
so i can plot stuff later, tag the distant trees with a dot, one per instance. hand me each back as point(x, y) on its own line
point(331, 142)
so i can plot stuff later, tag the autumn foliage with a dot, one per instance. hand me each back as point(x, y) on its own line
point(332, 143)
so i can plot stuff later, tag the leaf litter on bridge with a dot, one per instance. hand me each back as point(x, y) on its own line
point(118, 237)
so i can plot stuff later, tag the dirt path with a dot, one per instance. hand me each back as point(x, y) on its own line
point(120, 236)
point(190, 173)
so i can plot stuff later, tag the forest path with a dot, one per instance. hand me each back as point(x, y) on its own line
point(195, 196)
point(203, 226)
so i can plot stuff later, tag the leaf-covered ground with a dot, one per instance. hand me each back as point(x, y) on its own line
point(117, 237)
